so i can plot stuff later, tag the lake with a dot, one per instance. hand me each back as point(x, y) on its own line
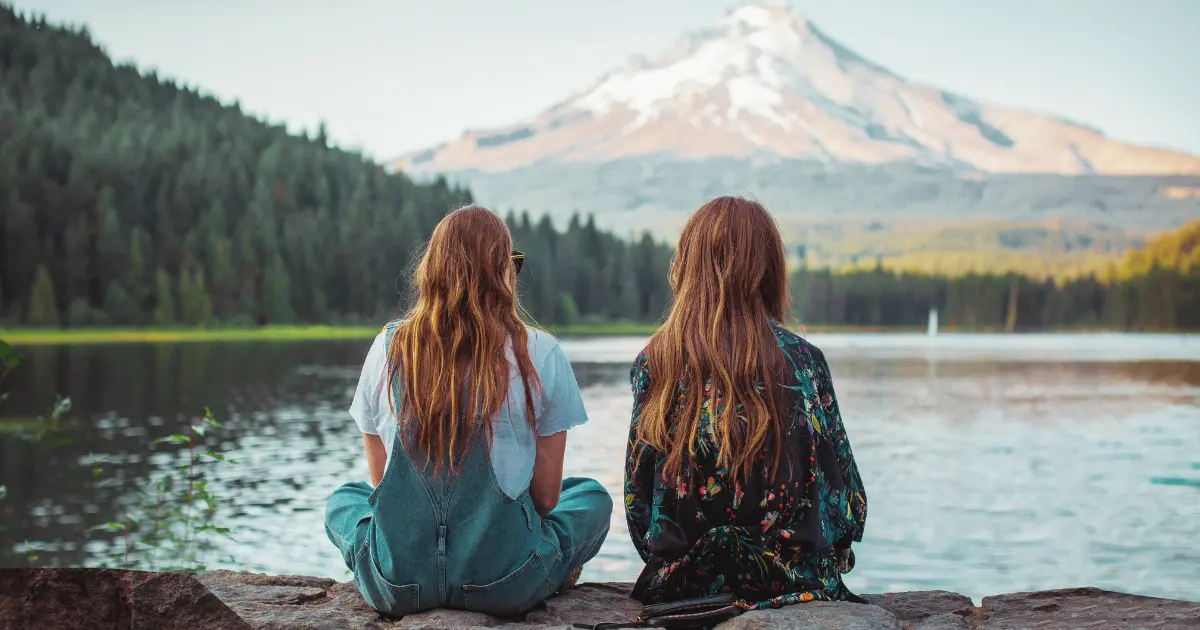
point(992, 463)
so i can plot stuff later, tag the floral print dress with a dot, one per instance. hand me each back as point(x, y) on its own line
point(774, 539)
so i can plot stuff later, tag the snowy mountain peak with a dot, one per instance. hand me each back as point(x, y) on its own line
point(765, 82)
point(749, 64)
point(760, 15)
point(765, 17)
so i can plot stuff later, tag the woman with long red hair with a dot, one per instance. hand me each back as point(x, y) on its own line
point(464, 412)
point(739, 476)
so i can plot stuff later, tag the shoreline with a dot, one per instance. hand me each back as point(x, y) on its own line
point(105, 336)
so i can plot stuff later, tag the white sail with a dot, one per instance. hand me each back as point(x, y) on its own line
point(932, 328)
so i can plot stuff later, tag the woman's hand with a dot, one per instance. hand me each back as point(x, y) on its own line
point(376, 457)
point(546, 484)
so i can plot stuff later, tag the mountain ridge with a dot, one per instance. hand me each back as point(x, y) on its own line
point(766, 83)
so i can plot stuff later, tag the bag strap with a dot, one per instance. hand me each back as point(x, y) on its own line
point(672, 608)
point(686, 612)
point(691, 610)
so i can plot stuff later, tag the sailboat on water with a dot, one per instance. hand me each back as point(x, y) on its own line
point(932, 328)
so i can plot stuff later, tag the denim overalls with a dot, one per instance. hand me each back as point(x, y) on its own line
point(420, 541)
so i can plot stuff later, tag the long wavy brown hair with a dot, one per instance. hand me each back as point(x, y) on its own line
point(729, 277)
point(451, 352)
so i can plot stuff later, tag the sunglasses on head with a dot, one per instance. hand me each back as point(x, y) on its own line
point(518, 259)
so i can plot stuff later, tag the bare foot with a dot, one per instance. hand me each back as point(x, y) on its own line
point(572, 579)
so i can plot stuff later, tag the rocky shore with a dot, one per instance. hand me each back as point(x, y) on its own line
point(104, 598)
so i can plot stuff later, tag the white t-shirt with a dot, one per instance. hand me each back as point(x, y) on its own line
point(559, 408)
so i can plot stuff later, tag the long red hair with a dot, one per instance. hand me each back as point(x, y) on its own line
point(729, 278)
point(451, 351)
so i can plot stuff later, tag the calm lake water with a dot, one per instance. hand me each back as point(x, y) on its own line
point(992, 463)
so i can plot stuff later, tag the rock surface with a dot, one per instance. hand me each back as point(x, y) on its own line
point(108, 598)
point(102, 598)
point(1089, 608)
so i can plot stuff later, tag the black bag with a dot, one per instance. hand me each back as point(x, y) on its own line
point(689, 613)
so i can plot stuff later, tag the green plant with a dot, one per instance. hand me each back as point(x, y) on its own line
point(48, 433)
point(9, 360)
point(172, 525)
point(45, 427)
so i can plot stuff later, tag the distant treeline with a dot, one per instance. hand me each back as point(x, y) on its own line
point(1154, 288)
point(128, 200)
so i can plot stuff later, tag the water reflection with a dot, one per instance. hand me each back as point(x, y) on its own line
point(991, 465)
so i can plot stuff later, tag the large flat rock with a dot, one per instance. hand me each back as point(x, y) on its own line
point(839, 615)
point(68, 599)
point(251, 596)
point(103, 598)
point(1087, 608)
point(276, 602)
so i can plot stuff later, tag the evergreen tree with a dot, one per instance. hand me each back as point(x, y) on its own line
point(194, 303)
point(277, 297)
point(200, 303)
point(568, 312)
point(224, 278)
point(136, 280)
point(80, 314)
point(43, 307)
point(322, 137)
point(19, 255)
point(111, 250)
point(117, 304)
point(164, 301)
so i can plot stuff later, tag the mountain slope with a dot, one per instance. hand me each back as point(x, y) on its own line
point(765, 83)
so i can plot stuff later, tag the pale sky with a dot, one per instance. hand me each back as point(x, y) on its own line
point(389, 76)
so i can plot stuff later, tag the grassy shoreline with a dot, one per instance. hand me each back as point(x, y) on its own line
point(55, 336)
point(81, 336)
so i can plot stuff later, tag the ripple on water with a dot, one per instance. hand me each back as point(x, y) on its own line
point(1175, 481)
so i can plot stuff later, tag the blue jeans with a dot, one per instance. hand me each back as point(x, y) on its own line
point(420, 541)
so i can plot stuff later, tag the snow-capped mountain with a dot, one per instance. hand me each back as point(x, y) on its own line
point(764, 82)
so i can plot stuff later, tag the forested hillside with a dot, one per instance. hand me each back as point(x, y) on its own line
point(1153, 288)
point(130, 200)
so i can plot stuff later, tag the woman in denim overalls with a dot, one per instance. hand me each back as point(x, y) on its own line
point(464, 413)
